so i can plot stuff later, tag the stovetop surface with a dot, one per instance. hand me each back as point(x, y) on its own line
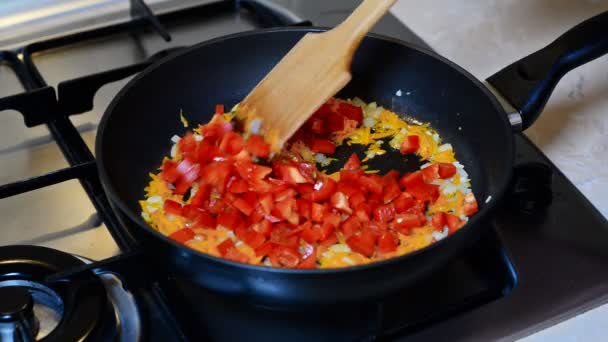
point(560, 254)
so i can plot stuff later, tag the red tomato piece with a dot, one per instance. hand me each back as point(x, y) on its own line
point(334, 123)
point(322, 146)
point(257, 146)
point(403, 202)
point(318, 212)
point(470, 206)
point(362, 243)
point(173, 207)
point(356, 199)
point(291, 174)
point(316, 125)
point(207, 151)
point(187, 146)
point(263, 249)
point(350, 226)
point(305, 208)
point(219, 109)
point(353, 162)
point(285, 256)
point(243, 206)
point(182, 235)
point(204, 220)
point(284, 194)
point(340, 201)
point(425, 192)
point(349, 188)
point(384, 213)
point(438, 220)
point(308, 262)
point(326, 231)
point(350, 111)
point(254, 239)
point(216, 174)
point(229, 220)
point(453, 222)
point(332, 218)
point(324, 188)
point(202, 194)
point(263, 227)
point(169, 171)
point(232, 143)
point(237, 186)
point(387, 243)
point(311, 235)
point(446, 170)
point(391, 191)
point(181, 187)
point(378, 228)
point(410, 144)
point(405, 222)
point(266, 202)
point(225, 246)
point(371, 183)
point(430, 173)
point(308, 170)
point(411, 179)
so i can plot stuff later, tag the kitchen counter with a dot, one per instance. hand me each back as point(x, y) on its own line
point(485, 36)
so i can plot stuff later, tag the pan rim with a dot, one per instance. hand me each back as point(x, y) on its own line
point(485, 208)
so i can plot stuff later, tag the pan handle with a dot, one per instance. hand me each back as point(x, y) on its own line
point(528, 83)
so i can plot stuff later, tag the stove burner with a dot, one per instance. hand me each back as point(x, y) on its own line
point(17, 320)
point(65, 311)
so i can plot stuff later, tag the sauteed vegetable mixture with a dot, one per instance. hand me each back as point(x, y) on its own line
point(222, 192)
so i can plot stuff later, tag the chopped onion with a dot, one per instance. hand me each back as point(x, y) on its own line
point(175, 138)
point(369, 122)
point(255, 126)
point(154, 199)
point(445, 147)
point(198, 137)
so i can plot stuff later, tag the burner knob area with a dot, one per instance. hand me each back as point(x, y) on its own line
point(17, 320)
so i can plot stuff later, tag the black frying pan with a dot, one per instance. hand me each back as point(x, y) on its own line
point(135, 131)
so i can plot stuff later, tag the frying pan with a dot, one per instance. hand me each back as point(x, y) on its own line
point(135, 132)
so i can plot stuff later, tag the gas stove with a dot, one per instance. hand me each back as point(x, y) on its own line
point(543, 260)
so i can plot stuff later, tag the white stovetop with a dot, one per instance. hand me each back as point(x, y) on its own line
point(484, 36)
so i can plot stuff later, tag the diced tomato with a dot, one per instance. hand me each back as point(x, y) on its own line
point(362, 243)
point(284, 194)
point(305, 208)
point(243, 206)
point(350, 226)
point(350, 111)
point(263, 249)
point(430, 173)
point(308, 170)
point(372, 184)
point(229, 220)
point(285, 210)
point(387, 243)
point(362, 212)
point(266, 202)
point(419, 207)
point(349, 188)
point(410, 144)
point(326, 231)
point(235, 255)
point(169, 171)
point(350, 175)
point(446, 170)
point(411, 179)
point(403, 202)
point(378, 228)
point(202, 194)
point(356, 199)
point(324, 188)
point(187, 146)
point(232, 143)
point(334, 123)
point(237, 185)
point(405, 222)
point(318, 212)
point(311, 235)
point(204, 220)
point(353, 162)
point(254, 239)
point(207, 151)
point(225, 246)
point(219, 109)
point(216, 174)
point(316, 125)
point(391, 191)
point(332, 218)
point(182, 235)
point(285, 256)
point(309, 261)
point(322, 146)
point(281, 234)
point(453, 222)
point(425, 192)
point(291, 174)
point(384, 213)
point(438, 220)
point(263, 227)
point(470, 206)
point(172, 207)
point(181, 187)
point(257, 146)
point(340, 201)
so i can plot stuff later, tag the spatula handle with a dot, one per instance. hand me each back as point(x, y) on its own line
point(361, 21)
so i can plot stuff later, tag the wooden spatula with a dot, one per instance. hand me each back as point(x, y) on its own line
point(314, 70)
